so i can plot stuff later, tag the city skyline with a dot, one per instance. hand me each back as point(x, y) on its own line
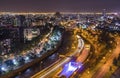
point(59, 5)
point(59, 44)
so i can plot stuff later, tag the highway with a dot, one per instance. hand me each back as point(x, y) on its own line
point(84, 54)
point(44, 73)
point(81, 59)
point(100, 73)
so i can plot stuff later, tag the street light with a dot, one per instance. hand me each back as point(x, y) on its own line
point(103, 57)
point(4, 68)
point(111, 42)
point(15, 62)
point(110, 51)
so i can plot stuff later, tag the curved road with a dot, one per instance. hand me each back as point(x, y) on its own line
point(44, 73)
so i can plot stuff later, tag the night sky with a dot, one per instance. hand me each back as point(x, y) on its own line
point(59, 5)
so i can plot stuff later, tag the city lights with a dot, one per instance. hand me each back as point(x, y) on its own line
point(70, 68)
point(80, 39)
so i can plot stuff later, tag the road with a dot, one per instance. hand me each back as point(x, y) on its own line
point(60, 63)
point(100, 73)
point(81, 59)
point(84, 54)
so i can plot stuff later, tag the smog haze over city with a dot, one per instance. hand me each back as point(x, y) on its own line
point(59, 5)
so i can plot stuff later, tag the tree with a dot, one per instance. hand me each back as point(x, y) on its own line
point(118, 60)
point(119, 57)
point(1, 60)
point(115, 61)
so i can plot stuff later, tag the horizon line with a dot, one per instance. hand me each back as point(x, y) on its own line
point(24, 13)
